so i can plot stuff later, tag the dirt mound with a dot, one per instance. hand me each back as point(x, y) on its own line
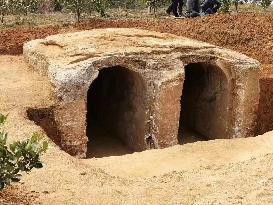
point(248, 33)
point(12, 40)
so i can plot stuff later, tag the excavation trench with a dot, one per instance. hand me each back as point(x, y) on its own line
point(116, 105)
point(44, 117)
point(265, 114)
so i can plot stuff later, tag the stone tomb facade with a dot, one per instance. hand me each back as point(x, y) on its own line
point(143, 86)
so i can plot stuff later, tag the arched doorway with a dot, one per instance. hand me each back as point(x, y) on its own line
point(204, 104)
point(115, 112)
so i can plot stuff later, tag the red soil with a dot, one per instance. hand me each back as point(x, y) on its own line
point(249, 33)
point(12, 40)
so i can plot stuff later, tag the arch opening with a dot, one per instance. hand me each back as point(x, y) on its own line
point(115, 113)
point(205, 109)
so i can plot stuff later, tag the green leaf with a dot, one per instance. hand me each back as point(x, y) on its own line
point(3, 137)
point(20, 156)
point(38, 165)
point(15, 179)
point(45, 146)
point(13, 147)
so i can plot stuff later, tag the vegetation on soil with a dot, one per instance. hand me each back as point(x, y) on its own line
point(22, 11)
point(20, 156)
point(265, 3)
point(78, 7)
point(225, 8)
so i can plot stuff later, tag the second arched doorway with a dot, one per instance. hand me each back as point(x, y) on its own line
point(205, 103)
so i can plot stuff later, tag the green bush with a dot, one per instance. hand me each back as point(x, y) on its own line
point(225, 8)
point(79, 7)
point(20, 156)
point(265, 3)
point(3, 10)
point(100, 7)
point(23, 7)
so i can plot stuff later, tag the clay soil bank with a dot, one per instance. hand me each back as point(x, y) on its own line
point(249, 33)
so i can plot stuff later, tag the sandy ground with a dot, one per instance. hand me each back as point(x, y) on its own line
point(237, 171)
point(21, 88)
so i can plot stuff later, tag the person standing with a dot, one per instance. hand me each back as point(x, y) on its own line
point(210, 6)
point(180, 7)
point(193, 8)
point(175, 5)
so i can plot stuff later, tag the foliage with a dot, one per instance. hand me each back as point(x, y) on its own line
point(236, 3)
point(226, 4)
point(265, 3)
point(80, 7)
point(3, 9)
point(100, 7)
point(58, 5)
point(24, 6)
point(76, 6)
point(20, 156)
point(85, 6)
point(16, 7)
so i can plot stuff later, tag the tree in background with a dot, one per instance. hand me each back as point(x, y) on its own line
point(79, 7)
point(58, 6)
point(265, 4)
point(100, 7)
point(225, 8)
point(76, 6)
point(152, 6)
point(236, 4)
point(23, 6)
point(3, 9)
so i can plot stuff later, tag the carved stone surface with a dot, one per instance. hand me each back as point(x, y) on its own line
point(134, 79)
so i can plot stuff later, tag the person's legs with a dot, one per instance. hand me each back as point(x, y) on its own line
point(209, 11)
point(169, 9)
point(173, 8)
point(192, 14)
point(196, 6)
point(216, 7)
point(180, 7)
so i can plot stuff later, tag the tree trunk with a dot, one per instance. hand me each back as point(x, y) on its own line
point(2, 17)
point(78, 14)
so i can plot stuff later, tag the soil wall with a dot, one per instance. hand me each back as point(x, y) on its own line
point(230, 31)
point(265, 113)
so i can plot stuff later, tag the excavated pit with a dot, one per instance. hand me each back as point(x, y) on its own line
point(265, 114)
point(117, 91)
point(44, 118)
point(204, 104)
point(115, 112)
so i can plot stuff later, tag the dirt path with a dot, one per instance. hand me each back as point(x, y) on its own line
point(214, 172)
point(190, 156)
point(20, 87)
